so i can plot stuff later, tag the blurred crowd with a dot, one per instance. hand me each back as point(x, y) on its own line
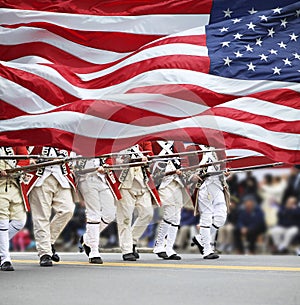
point(264, 217)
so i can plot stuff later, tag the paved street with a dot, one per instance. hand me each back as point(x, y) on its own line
point(233, 279)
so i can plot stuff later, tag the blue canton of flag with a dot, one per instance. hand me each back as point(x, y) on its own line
point(255, 42)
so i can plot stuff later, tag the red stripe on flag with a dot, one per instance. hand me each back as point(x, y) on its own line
point(116, 7)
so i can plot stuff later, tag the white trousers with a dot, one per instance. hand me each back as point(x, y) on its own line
point(12, 216)
point(212, 205)
point(134, 198)
point(213, 213)
point(100, 210)
point(172, 201)
point(45, 199)
point(12, 206)
point(98, 199)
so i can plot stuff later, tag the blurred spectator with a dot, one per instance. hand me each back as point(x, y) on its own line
point(288, 226)
point(234, 185)
point(226, 233)
point(250, 224)
point(188, 228)
point(293, 185)
point(271, 191)
point(249, 186)
point(21, 240)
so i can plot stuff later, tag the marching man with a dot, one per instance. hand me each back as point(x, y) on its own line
point(171, 191)
point(13, 203)
point(137, 190)
point(50, 190)
point(212, 200)
point(99, 191)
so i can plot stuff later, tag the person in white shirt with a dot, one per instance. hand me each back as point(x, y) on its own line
point(171, 191)
point(51, 201)
point(212, 201)
point(99, 195)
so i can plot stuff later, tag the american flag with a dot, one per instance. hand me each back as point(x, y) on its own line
point(98, 76)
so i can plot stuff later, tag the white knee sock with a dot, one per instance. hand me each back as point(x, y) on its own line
point(205, 240)
point(15, 226)
point(4, 241)
point(213, 236)
point(91, 238)
point(171, 237)
point(161, 235)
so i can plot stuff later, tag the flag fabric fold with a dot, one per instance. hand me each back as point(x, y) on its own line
point(99, 76)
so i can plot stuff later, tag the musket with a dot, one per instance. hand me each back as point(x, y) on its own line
point(242, 169)
point(118, 154)
point(121, 166)
point(198, 166)
point(33, 167)
point(26, 157)
point(185, 153)
point(41, 157)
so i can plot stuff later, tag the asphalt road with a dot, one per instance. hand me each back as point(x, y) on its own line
point(230, 280)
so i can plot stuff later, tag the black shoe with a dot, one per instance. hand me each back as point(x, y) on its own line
point(196, 243)
point(46, 261)
point(162, 254)
point(129, 257)
point(211, 256)
point(86, 248)
point(95, 260)
point(54, 256)
point(135, 252)
point(174, 257)
point(7, 266)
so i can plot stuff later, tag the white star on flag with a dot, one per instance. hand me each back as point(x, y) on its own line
point(252, 11)
point(238, 54)
point(277, 10)
point(272, 51)
point(271, 32)
point(263, 57)
point(227, 61)
point(251, 26)
point(282, 45)
point(251, 66)
point(249, 48)
point(287, 62)
point(293, 37)
point(283, 22)
point(259, 41)
point(276, 70)
point(296, 55)
point(237, 36)
point(227, 13)
point(236, 20)
point(224, 29)
point(263, 18)
point(225, 44)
